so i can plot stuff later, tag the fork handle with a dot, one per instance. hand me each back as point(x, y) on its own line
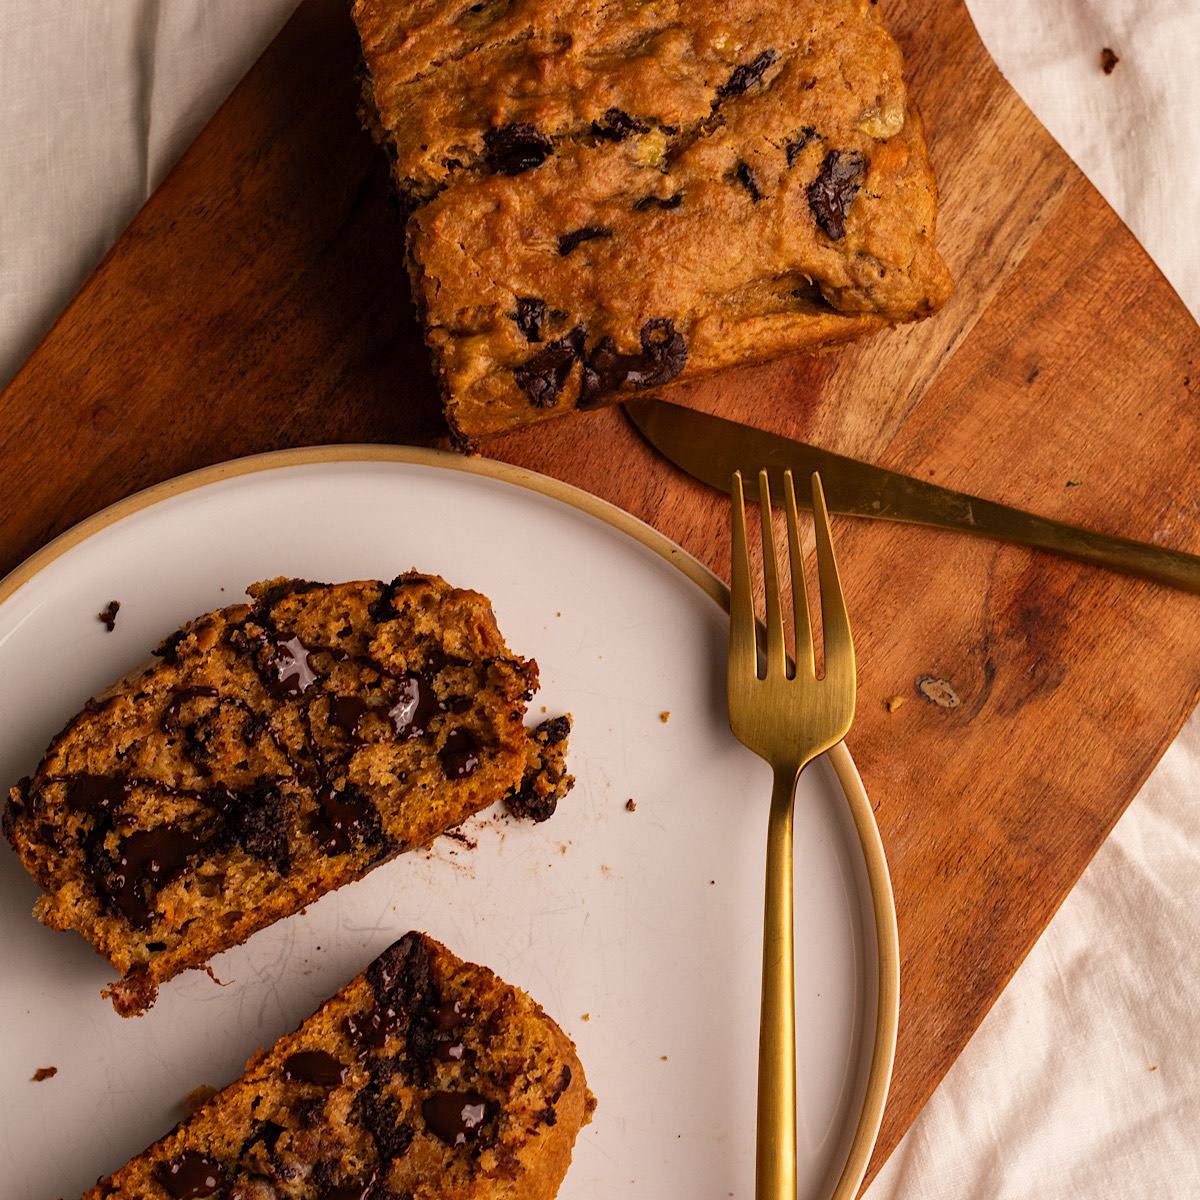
point(775, 1156)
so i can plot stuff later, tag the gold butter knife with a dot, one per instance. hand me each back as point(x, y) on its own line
point(711, 448)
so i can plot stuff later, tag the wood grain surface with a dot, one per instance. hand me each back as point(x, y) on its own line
point(259, 301)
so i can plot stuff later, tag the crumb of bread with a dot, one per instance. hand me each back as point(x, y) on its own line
point(545, 780)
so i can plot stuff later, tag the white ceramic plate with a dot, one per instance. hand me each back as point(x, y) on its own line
point(637, 926)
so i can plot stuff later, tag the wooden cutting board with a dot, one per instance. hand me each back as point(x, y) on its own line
point(259, 301)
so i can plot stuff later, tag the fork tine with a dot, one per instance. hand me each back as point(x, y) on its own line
point(776, 654)
point(835, 620)
point(800, 613)
point(743, 648)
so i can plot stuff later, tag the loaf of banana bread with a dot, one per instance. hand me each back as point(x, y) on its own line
point(609, 198)
point(269, 753)
point(425, 1076)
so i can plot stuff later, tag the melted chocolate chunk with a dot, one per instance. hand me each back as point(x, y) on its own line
point(199, 735)
point(545, 375)
point(648, 202)
point(109, 616)
point(455, 1116)
point(516, 148)
point(528, 805)
point(383, 607)
point(564, 1082)
point(347, 713)
point(316, 1067)
point(311, 1112)
point(198, 738)
point(267, 1132)
point(384, 1121)
point(149, 858)
point(589, 233)
point(802, 139)
point(460, 754)
point(531, 312)
point(554, 730)
point(663, 356)
point(832, 192)
point(289, 668)
point(399, 977)
point(745, 176)
point(324, 1174)
point(283, 590)
point(402, 989)
point(257, 818)
point(416, 705)
point(604, 372)
point(97, 793)
point(616, 126)
point(346, 819)
point(438, 660)
point(451, 1052)
point(381, 1069)
point(420, 1052)
point(168, 648)
point(448, 1016)
point(190, 1176)
point(747, 75)
point(663, 351)
point(253, 728)
point(366, 1031)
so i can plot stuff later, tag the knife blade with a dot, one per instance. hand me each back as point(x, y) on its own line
point(711, 448)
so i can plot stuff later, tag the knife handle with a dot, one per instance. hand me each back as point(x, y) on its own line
point(1159, 563)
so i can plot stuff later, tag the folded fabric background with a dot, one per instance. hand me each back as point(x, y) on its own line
point(1084, 1080)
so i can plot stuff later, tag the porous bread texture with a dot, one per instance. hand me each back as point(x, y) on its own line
point(546, 780)
point(609, 196)
point(425, 1077)
point(269, 753)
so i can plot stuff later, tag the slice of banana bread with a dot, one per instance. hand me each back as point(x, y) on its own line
point(425, 1076)
point(269, 753)
point(607, 198)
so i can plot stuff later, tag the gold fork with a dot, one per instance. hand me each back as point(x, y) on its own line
point(787, 719)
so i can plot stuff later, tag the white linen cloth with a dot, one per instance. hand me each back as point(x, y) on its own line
point(1084, 1080)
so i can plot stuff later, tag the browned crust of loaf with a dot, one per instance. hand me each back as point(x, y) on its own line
point(475, 419)
point(546, 1168)
point(121, 736)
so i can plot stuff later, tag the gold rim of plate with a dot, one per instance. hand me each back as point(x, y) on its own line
point(882, 898)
